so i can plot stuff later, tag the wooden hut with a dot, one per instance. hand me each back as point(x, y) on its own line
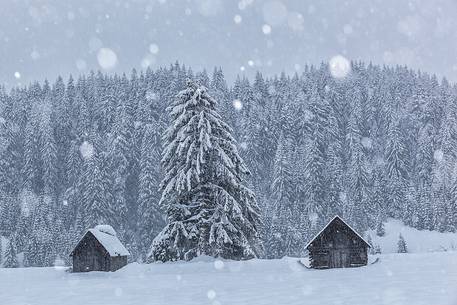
point(99, 250)
point(337, 245)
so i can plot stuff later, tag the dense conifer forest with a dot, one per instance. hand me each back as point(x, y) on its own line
point(82, 151)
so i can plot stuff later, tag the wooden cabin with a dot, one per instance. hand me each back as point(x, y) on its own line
point(99, 250)
point(337, 245)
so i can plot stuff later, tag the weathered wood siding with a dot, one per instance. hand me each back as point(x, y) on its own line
point(338, 247)
point(117, 262)
point(89, 255)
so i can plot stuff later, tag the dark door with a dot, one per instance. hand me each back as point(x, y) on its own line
point(338, 258)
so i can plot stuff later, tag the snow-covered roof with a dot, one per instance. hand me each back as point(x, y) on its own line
point(106, 235)
point(336, 217)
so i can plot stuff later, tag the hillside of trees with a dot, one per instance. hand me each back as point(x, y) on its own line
point(380, 143)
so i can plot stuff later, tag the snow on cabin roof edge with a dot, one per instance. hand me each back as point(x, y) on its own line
point(325, 227)
point(109, 242)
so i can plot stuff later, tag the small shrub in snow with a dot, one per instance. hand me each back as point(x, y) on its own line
point(377, 249)
point(402, 248)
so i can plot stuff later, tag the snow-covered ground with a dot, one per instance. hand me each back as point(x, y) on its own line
point(412, 279)
point(416, 240)
point(427, 276)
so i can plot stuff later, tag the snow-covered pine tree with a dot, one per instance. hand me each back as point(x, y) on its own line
point(401, 245)
point(31, 152)
point(10, 260)
point(94, 187)
point(259, 142)
point(120, 160)
point(48, 148)
point(220, 92)
point(284, 236)
point(396, 169)
point(40, 244)
point(1, 249)
point(202, 78)
point(358, 172)
point(150, 218)
point(380, 231)
point(314, 164)
point(210, 211)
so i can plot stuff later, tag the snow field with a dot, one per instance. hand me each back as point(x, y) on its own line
point(412, 279)
point(416, 240)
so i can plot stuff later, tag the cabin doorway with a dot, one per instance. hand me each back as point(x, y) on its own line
point(338, 258)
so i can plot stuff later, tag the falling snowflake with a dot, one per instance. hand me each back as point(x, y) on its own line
point(81, 64)
point(148, 60)
point(347, 29)
point(366, 142)
point(339, 66)
point(343, 196)
point(218, 264)
point(106, 58)
point(250, 63)
point(438, 155)
point(151, 95)
point(211, 294)
point(266, 29)
point(243, 4)
point(410, 196)
point(28, 201)
point(154, 48)
point(271, 90)
point(71, 16)
point(313, 219)
point(237, 104)
point(17, 75)
point(237, 19)
point(87, 150)
point(35, 55)
point(308, 115)
point(242, 68)
point(65, 202)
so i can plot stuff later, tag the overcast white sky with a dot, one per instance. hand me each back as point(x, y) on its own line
point(44, 38)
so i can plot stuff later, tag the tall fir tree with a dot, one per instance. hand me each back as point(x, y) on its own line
point(210, 211)
point(150, 217)
point(10, 259)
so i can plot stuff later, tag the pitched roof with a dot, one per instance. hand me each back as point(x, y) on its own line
point(333, 219)
point(109, 241)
